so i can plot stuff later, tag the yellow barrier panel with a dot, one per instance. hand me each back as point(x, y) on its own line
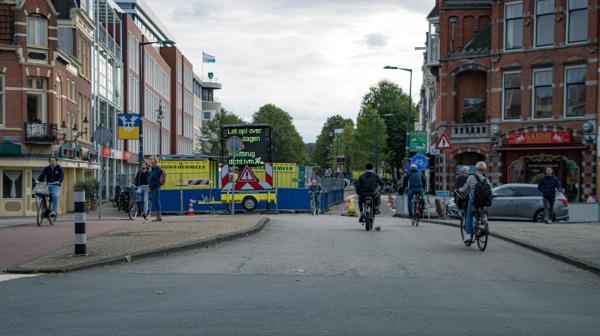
point(180, 173)
point(285, 175)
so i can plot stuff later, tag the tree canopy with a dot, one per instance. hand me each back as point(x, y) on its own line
point(368, 139)
point(324, 147)
point(210, 141)
point(391, 103)
point(288, 145)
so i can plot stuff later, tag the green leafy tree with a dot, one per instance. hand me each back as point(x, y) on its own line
point(391, 103)
point(210, 140)
point(368, 139)
point(288, 145)
point(324, 151)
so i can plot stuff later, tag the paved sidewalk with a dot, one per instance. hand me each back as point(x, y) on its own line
point(109, 213)
point(143, 239)
point(577, 244)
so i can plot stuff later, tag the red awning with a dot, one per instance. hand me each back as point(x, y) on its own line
point(549, 148)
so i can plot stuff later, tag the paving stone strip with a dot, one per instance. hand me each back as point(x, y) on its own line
point(577, 244)
point(144, 239)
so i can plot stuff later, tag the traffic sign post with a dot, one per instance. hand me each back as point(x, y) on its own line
point(442, 144)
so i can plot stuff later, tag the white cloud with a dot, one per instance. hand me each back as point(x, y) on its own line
point(300, 55)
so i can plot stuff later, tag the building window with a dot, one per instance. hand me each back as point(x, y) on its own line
point(433, 45)
point(1, 100)
point(513, 26)
point(37, 31)
point(578, 21)
point(542, 86)
point(207, 115)
point(36, 99)
point(512, 96)
point(575, 92)
point(544, 23)
point(12, 183)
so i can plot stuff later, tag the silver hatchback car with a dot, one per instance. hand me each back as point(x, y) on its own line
point(518, 202)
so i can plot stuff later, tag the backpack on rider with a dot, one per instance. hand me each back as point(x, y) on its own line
point(482, 195)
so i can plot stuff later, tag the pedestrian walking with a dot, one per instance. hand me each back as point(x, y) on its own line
point(549, 185)
point(156, 180)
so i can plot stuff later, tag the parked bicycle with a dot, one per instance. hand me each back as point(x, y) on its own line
point(136, 203)
point(41, 192)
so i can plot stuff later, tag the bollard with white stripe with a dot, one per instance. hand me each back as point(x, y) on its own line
point(80, 240)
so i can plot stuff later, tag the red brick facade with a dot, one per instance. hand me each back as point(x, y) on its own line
point(473, 63)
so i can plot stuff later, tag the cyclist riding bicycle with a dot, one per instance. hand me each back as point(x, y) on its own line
point(414, 183)
point(366, 186)
point(53, 174)
point(470, 187)
point(141, 182)
point(315, 193)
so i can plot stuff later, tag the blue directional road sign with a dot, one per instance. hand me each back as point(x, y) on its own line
point(420, 161)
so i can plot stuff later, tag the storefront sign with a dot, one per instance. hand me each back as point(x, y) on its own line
point(539, 138)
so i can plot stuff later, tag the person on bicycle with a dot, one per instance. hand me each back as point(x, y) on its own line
point(367, 185)
point(460, 182)
point(469, 188)
point(414, 183)
point(141, 181)
point(315, 193)
point(53, 174)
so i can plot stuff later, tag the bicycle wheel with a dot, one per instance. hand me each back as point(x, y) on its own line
point(133, 210)
point(41, 211)
point(482, 233)
point(462, 232)
point(368, 218)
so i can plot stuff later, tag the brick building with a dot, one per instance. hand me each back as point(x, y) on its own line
point(157, 90)
point(45, 99)
point(182, 100)
point(514, 83)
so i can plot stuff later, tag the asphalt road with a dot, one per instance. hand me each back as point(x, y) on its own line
point(305, 275)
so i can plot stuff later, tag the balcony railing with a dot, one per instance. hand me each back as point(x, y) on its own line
point(40, 132)
point(107, 40)
point(461, 131)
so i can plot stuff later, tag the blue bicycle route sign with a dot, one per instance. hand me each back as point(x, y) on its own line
point(420, 161)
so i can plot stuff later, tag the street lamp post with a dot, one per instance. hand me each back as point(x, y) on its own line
point(409, 117)
point(160, 119)
point(141, 90)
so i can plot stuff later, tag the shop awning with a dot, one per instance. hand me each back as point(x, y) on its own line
point(537, 148)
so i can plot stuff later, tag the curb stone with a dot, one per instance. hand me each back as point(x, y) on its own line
point(545, 251)
point(149, 253)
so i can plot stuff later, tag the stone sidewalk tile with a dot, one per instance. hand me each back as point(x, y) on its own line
point(576, 244)
point(146, 239)
point(108, 213)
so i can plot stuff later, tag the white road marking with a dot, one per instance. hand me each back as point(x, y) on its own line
point(7, 277)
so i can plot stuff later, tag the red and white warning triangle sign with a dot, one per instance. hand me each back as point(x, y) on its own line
point(443, 142)
point(247, 176)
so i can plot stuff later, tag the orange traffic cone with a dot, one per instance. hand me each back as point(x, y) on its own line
point(191, 208)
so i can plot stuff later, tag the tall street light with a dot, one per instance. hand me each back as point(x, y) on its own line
point(162, 43)
point(408, 118)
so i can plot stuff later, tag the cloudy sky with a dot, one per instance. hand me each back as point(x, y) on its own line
point(313, 58)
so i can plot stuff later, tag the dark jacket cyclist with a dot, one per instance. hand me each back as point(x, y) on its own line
point(414, 182)
point(367, 185)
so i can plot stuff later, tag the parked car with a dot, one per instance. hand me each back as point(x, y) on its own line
point(518, 202)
